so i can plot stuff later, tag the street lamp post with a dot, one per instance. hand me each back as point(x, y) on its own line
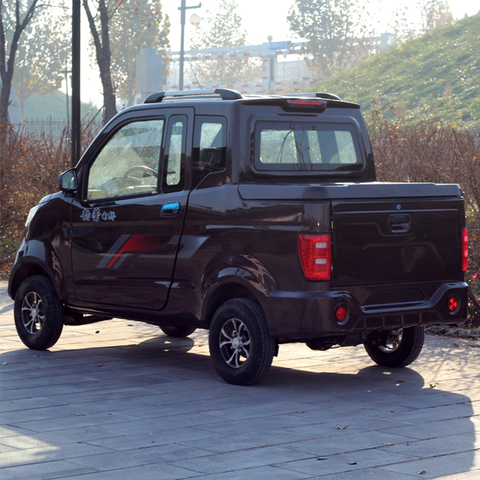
point(183, 8)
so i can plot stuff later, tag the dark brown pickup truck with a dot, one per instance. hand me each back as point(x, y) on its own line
point(256, 217)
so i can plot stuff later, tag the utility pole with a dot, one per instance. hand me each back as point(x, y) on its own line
point(183, 8)
point(66, 72)
point(76, 120)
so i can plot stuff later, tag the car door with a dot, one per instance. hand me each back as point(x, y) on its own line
point(127, 225)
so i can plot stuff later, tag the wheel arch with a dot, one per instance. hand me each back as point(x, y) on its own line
point(27, 269)
point(225, 289)
point(237, 276)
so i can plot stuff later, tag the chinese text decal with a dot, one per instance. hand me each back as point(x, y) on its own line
point(96, 215)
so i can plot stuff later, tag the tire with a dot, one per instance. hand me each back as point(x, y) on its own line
point(176, 331)
point(240, 345)
point(38, 313)
point(402, 352)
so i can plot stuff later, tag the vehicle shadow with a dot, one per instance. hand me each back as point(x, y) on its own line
point(160, 385)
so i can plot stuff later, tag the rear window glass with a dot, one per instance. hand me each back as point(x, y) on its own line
point(306, 146)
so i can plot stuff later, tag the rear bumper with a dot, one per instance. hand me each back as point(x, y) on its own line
point(304, 316)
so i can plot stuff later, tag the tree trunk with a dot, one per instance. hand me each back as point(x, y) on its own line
point(5, 98)
point(103, 53)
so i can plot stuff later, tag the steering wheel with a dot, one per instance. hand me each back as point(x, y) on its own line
point(143, 168)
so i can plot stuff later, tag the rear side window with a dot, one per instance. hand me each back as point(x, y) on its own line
point(174, 161)
point(209, 146)
point(306, 146)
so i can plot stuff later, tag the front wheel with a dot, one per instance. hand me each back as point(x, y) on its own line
point(240, 345)
point(177, 331)
point(38, 313)
point(398, 350)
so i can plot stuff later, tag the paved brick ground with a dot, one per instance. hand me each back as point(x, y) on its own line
point(118, 400)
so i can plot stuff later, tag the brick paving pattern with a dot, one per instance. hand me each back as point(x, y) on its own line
point(120, 400)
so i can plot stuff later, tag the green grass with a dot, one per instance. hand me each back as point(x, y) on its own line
point(436, 76)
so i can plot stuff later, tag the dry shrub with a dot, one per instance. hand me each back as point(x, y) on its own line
point(29, 168)
point(429, 152)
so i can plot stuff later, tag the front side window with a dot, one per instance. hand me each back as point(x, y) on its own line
point(306, 146)
point(128, 164)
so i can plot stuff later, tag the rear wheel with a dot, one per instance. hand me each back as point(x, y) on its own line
point(240, 345)
point(38, 313)
point(398, 350)
point(176, 331)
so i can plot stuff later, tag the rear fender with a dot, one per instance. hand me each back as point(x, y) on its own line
point(241, 276)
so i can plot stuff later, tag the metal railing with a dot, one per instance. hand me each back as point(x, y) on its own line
point(49, 127)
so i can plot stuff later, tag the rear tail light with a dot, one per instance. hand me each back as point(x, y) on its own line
point(315, 256)
point(464, 250)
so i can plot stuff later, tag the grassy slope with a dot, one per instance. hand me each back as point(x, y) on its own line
point(436, 76)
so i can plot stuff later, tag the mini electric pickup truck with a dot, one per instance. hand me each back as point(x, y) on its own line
point(258, 218)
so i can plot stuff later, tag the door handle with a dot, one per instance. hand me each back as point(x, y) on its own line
point(170, 209)
point(399, 223)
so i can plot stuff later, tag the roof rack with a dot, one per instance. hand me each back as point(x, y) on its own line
point(224, 93)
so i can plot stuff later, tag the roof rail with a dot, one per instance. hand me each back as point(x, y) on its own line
point(328, 96)
point(224, 93)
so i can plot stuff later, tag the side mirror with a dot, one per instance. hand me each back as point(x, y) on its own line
point(67, 181)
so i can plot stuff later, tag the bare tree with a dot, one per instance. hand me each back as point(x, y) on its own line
point(14, 17)
point(435, 13)
point(137, 24)
point(223, 28)
point(42, 55)
point(333, 30)
point(99, 27)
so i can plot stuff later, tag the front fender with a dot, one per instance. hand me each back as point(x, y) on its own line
point(35, 258)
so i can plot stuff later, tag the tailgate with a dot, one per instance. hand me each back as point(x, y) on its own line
point(388, 241)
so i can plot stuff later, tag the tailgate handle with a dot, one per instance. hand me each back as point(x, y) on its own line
point(399, 223)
